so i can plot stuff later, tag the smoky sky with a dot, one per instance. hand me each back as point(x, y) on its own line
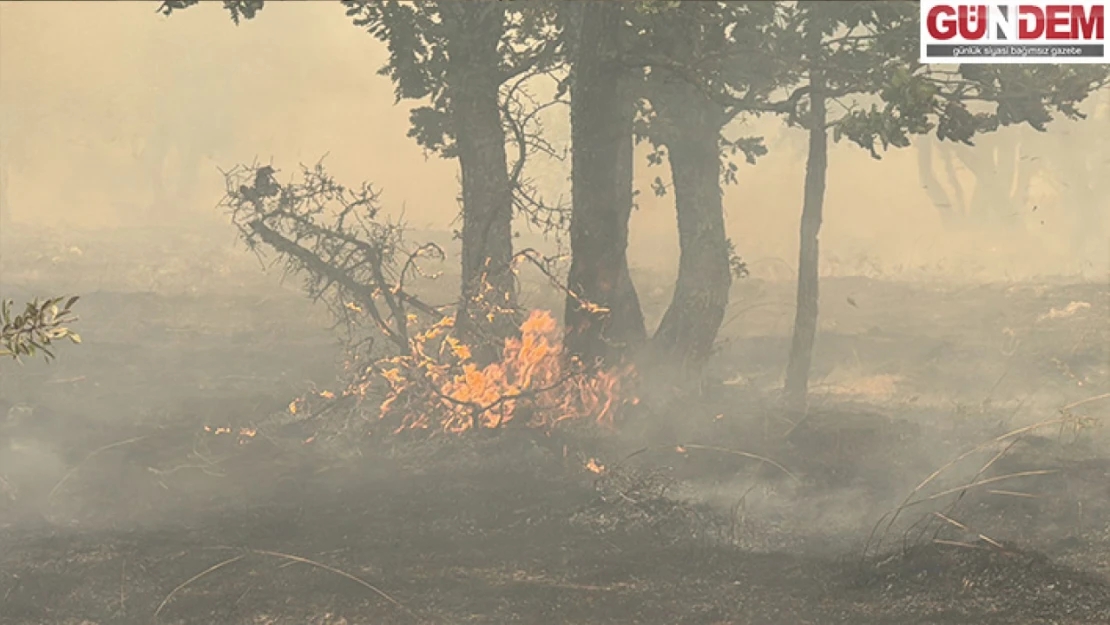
point(90, 91)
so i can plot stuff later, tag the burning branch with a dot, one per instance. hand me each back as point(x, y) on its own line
point(545, 265)
point(358, 264)
point(440, 387)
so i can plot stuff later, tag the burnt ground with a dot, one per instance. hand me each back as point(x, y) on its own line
point(119, 507)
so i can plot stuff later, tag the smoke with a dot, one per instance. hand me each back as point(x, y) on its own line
point(30, 467)
point(97, 135)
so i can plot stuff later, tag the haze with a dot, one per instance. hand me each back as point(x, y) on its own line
point(86, 87)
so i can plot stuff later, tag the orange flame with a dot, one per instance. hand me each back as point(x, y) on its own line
point(530, 381)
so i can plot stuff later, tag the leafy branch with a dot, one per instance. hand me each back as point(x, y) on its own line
point(40, 325)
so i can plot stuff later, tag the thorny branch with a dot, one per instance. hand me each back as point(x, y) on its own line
point(332, 236)
point(358, 264)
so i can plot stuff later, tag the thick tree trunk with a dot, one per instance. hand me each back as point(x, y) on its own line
point(603, 318)
point(805, 320)
point(474, 81)
point(689, 327)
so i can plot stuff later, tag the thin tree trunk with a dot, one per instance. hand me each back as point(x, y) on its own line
point(805, 320)
point(689, 327)
point(474, 81)
point(933, 188)
point(963, 210)
point(603, 318)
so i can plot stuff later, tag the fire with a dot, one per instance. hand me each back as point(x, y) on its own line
point(244, 432)
point(444, 388)
point(594, 466)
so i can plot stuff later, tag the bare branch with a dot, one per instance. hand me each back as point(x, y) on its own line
point(334, 238)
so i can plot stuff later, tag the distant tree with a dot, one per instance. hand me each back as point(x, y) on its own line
point(1079, 175)
point(1003, 168)
point(177, 137)
point(1002, 172)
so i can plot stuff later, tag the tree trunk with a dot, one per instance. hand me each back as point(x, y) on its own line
point(474, 81)
point(993, 163)
point(938, 195)
point(689, 327)
point(805, 320)
point(603, 318)
point(1086, 190)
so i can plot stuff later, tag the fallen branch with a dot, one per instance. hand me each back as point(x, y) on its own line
point(289, 558)
point(696, 446)
point(89, 457)
point(182, 585)
point(361, 582)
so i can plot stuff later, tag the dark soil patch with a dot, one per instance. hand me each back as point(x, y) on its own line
point(984, 584)
point(483, 531)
